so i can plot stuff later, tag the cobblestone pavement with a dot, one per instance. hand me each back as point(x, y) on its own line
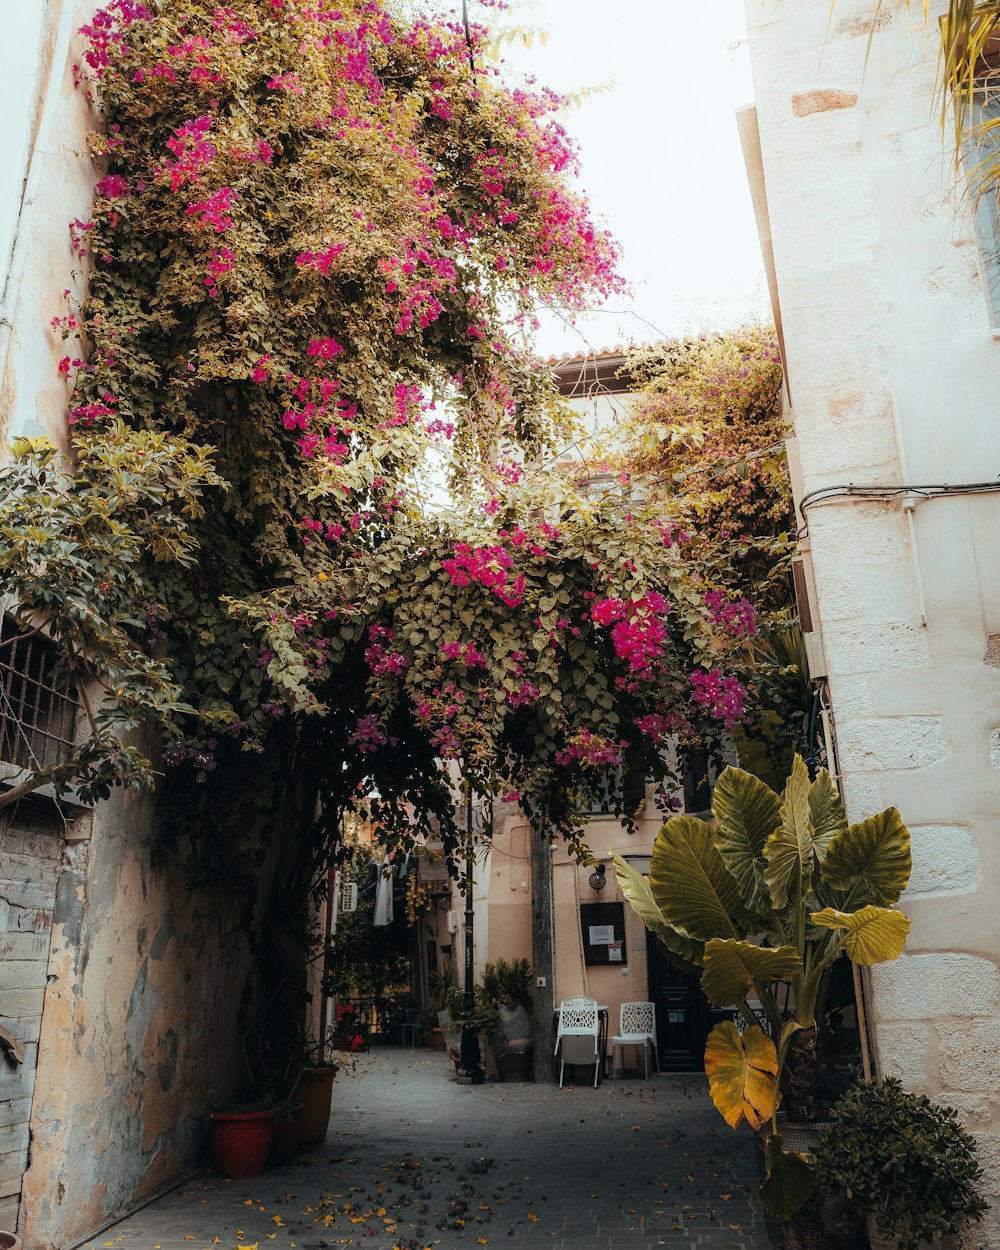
point(415, 1160)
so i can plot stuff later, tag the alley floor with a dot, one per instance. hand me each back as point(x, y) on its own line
point(413, 1160)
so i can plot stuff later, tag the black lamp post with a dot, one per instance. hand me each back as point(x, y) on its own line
point(470, 1069)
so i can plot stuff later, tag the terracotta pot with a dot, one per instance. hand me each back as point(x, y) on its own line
point(315, 1092)
point(241, 1139)
point(10, 1241)
point(286, 1135)
point(435, 1039)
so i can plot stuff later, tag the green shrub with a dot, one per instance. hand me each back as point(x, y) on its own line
point(904, 1159)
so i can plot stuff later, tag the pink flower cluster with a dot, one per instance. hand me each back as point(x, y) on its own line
point(379, 658)
point(105, 34)
point(465, 653)
point(113, 187)
point(591, 750)
point(193, 150)
point(723, 697)
point(738, 616)
point(214, 211)
point(489, 567)
point(369, 735)
point(638, 632)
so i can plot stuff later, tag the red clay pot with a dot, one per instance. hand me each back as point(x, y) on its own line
point(10, 1241)
point(241, 1139)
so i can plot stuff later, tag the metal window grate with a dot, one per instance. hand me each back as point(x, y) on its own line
point(37, 718)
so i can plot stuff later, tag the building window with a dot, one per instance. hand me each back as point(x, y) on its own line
point(37, 715)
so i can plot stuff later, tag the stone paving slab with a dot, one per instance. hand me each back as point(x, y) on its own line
point(415, 1160)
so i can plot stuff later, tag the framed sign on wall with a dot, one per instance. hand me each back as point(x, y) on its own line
point(603, 929)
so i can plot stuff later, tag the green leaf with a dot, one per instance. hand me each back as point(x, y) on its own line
point(748, 812)
point(789, 850)
point(870, 861)
point(682, 947)
point(691, 884)
point(826, 812)
point(789, 1181)
point(733, 969)
point(874, 934)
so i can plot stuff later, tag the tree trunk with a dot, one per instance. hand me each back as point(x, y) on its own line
point(799, 1079)
point(542, 956)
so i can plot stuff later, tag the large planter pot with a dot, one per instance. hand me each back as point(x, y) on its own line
point(286, 1134)
point(241, 1139)
point(10, 1241)
point(514, 1067)
point(435, 1038)
point(314, 1091)
point(878, 1242)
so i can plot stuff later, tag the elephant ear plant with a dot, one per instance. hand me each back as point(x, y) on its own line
point(774, 891)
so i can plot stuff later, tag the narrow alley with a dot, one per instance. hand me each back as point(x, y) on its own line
point(414, 1160)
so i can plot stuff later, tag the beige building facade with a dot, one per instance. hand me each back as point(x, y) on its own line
point(892, 364)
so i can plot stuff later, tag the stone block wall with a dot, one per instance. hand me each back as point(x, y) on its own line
point(893, 373)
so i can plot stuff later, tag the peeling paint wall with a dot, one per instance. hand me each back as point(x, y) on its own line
point(139, 1032)
point(894, 372)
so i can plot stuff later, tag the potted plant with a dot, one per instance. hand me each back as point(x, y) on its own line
point(902, 1162)
point(314, 1090)
point(484, 1019)
point(506, 990)
point(774, 891)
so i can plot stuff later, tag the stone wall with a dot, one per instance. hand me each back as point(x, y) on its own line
point(31, 849)
point(893, 373)
point(140, 1029)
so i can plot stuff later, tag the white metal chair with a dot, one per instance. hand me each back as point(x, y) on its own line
point(577, 1037)
point(637, 1026)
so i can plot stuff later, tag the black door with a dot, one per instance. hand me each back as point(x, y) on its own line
point(684, 1017)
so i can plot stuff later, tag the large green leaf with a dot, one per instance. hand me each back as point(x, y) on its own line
point(789, 851)
point(870, 862)
point(748, 812)
point(874, 934)
point(682, 947)
point(733, 969)
point(691, 885)
point(741, 1072)
point(826, 812)
point(789, 1179)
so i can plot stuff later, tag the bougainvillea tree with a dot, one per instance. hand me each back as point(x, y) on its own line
point(317, 240)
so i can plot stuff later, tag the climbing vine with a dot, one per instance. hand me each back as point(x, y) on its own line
point(320, 234)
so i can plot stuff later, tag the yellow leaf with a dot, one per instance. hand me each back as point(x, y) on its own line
point(482, 1241)
point(741, 1073)
point(874, 934)
point(533, 1217)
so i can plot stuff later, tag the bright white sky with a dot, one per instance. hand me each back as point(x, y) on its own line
point(661, 157)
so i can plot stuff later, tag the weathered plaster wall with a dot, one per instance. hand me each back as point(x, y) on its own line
point(49, 133)
point(139, 1032)
point(31, 855)
point(894, 373)
point(138, 1035)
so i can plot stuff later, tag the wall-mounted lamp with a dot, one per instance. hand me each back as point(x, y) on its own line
point(597, 878)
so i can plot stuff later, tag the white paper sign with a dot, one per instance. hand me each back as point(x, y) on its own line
point(614, 952)
point(601, 934)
